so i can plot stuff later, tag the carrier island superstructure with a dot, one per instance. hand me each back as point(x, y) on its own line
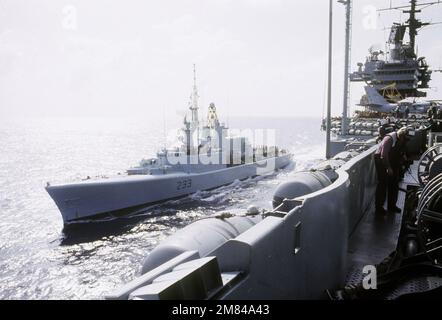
point(395, 81)
point(207, 157)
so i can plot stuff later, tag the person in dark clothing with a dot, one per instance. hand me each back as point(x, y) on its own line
point(432, 113)
point(382, 133)
point(388, 161)
point(397, 112)
point(407, 112)
point(438, 121)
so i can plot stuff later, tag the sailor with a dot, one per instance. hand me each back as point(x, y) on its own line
point(432, 112)
point(407, 112)
point(437, 121)
point(388, 158)
point(397, 112)
point(382, 130)
point(385, 127)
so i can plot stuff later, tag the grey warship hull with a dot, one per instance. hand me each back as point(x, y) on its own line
point(89, 200)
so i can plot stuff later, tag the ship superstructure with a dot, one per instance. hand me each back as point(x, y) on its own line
point(398, 73)
point(395, 83)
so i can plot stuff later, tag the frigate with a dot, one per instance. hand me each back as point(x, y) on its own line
point(322, 239)
point(208, 156)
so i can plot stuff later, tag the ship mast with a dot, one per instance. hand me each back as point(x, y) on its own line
point(348, 25)
point(413, 23)
point(329, 89)
point(194, 102)
point(348, 5)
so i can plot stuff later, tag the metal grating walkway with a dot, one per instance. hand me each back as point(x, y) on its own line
point(376, 236)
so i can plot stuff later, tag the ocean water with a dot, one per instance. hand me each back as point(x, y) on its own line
point(38, 260)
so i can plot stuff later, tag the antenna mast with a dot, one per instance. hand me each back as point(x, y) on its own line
point(413, 23)
point(348, 26)
point(329, 93)
point(194, 101)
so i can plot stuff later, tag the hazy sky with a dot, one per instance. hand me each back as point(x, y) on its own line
point(135, 57)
